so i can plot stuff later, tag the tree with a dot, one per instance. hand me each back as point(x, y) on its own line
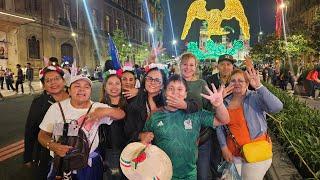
point(142, 53)
point(122, 44)
point(316, 33)
point(269, 48)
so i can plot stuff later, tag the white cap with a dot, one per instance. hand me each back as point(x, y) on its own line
point(80, 77)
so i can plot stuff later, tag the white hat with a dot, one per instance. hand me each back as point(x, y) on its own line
point(80, 77)
point(141, 162)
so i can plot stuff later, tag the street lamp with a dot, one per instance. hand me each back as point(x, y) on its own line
point(260, 33)
point(73, 34)
point(151, 30)
point(130, 45)
point(282, 5)
point(174, 42)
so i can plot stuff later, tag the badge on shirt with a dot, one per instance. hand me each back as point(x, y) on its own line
point(160, 124)
point(187, 124)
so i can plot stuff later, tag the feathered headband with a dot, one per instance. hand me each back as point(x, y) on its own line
point(155, 65)
point(49, 69)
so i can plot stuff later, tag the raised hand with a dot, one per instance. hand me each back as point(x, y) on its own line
point(130, 93)
point(155, 52)
point(215, 97)
point(254, 78)
point(228, 90)
point(248, 62)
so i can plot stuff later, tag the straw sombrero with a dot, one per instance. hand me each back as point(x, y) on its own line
point(141, 162)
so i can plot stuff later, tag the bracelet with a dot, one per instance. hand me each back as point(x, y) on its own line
point(48, 144)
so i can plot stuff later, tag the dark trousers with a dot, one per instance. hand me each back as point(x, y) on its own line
point(1, 82)
point(9, 84)
point(203, 163)
point(17, 85)
point(113, 171)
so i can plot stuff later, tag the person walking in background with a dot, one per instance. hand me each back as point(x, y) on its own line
point(1, 77)
point(9, 79)
point(29, 77)
point(19, 79)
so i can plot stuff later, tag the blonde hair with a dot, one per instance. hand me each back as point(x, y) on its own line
point(185, 57)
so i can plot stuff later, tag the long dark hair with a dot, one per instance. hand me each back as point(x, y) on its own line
point(105, 98)
point(143, 95)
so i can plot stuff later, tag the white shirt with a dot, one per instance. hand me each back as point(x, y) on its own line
point(54, 116)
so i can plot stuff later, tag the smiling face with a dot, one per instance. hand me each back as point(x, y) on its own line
point(239, 82)
point(113, 86)
point(188, 68)
point(153, 82)
point(128, 80)
point(53, 83)
point(80, 91)
point(225, 68)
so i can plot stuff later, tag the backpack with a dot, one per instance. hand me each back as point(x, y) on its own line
point(77, 157)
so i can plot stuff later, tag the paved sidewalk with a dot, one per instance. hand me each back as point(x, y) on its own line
point(11, 94)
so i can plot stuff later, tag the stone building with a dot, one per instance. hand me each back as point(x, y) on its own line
point(301, 13)
point(33, 29)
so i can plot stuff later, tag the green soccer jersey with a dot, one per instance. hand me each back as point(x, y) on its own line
point(176, 133)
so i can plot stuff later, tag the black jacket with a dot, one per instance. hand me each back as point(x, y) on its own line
point(215, 79)
point(33, 149)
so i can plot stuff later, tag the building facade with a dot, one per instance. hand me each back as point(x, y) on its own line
point(31, 30)
point(301, 13)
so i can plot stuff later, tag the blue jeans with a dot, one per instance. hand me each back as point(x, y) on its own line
point(203, 163)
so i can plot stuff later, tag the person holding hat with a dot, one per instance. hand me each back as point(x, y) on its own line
point(36, 156)
point(75, 108)
point(176, 132)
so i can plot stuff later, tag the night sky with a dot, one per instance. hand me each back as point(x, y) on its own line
point(179, 10)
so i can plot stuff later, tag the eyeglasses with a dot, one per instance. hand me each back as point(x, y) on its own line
point(233, 81)
point(156, 80)
point(51, 80)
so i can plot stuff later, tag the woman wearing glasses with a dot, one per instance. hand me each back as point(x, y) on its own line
point(247, 110)
point(148, 100)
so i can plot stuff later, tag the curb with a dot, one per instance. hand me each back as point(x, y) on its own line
point(281, 168)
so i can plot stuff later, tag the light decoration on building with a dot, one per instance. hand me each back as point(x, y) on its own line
point(214, 50)
point(214, 17)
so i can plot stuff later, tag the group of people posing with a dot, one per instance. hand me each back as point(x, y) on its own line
point(183, 115)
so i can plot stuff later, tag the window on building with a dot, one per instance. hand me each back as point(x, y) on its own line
point(107, 23)
point(94, 15)
point(117, 24)
point(139, 10)
point(67, 50)
point(34, 48)
point(66, 10)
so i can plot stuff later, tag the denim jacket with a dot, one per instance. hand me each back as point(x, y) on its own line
point(255, 105)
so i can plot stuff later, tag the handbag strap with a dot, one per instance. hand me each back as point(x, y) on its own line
point(64, 118)
point(85, 118)
point(232, 136)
